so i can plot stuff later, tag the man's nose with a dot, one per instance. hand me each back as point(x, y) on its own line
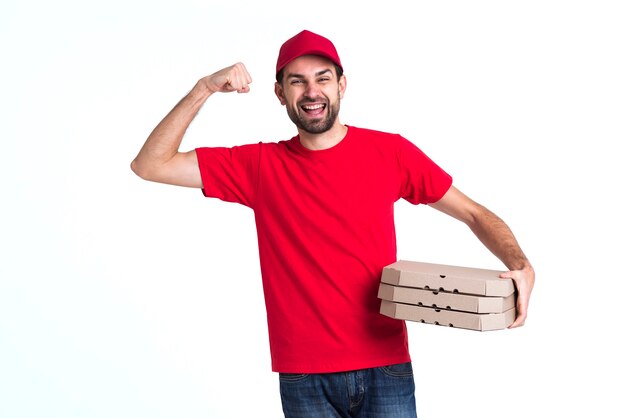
point(311, 90)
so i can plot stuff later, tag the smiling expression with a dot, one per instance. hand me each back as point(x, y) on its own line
point(311, 92)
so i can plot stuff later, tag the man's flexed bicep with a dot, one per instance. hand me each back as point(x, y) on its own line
point(159, 159)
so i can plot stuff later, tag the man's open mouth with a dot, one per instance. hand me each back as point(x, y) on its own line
point(313, 109)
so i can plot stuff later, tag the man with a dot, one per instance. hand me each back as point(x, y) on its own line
point(323, 204)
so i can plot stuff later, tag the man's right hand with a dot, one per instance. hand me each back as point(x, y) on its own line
point(229, 79)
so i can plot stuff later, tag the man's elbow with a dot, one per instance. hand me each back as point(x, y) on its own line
point(140, 170)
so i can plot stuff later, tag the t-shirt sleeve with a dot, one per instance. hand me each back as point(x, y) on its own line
point(421, 179)
point(230, 174)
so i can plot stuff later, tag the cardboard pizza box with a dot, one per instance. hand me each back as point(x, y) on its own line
point(447, 278)
point(448, 318)
point(446, 300)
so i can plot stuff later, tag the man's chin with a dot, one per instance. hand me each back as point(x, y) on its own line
point(313, 125)
point(316, 129)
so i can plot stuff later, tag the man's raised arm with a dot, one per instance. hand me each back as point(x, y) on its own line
point(159, 159)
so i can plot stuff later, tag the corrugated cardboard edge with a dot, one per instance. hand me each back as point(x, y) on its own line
point(447, 278)
point(449, 318)
point(446, 300)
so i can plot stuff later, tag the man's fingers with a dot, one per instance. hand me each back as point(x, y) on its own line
point(521, 313)
point(229, 79)
point(243, 89)
point(524, 283)
point(239, 78)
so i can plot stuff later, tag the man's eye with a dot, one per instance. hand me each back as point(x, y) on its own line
point(323, 79)
point(296, 81)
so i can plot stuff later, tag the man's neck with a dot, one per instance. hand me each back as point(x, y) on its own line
point(325, 140)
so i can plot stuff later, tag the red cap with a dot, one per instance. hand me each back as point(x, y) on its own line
point(306, 43)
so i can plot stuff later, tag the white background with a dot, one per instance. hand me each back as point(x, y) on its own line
point(122, 298)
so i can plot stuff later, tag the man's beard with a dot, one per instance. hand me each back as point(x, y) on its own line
point(315, 126)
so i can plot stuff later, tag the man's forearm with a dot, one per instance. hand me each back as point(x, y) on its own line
point(164, 141)
point(499, 239)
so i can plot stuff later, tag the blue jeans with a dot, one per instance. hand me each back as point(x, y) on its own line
point(380, 392)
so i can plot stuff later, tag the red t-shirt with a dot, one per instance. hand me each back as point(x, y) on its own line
point(325, 226)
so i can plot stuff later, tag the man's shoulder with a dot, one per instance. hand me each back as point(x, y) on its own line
point(373, 137)
point(275, 147)
point(263, 145)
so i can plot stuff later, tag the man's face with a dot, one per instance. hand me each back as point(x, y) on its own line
point(311, 93)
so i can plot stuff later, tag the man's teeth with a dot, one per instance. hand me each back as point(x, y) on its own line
point(313, 107)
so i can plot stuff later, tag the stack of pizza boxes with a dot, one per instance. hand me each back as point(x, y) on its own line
point(452, 296)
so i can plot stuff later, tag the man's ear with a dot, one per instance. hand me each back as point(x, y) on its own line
point(280, 93)
point(343, 83)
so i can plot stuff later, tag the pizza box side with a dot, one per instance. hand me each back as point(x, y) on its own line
point(447, 278)
point(446, 300)
point(449, 318)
